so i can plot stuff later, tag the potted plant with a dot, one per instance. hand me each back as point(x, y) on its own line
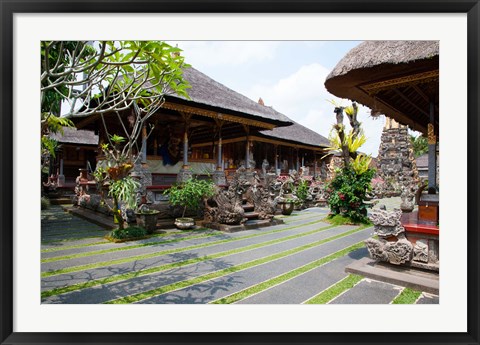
point(189, 195)
point(147, 218)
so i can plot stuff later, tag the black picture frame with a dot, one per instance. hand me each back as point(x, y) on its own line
point(10, 7)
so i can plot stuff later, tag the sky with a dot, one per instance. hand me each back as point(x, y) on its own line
point(288, 75)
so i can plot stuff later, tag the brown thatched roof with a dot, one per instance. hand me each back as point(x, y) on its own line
point(76, 136)
point(396, 78)
point(206, 91)
point(373, 53)
point(297, 133)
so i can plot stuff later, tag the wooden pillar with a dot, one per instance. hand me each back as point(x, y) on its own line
point(185, 150)
point(186, 119)
point(219, 154)
point(432, 151)
point(314, 164)
point(247, 146)
point(276, 157)
point(297, 161)
point(144, 144)
point(247, 153)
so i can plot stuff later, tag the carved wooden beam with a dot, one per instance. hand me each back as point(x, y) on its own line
point(217, 115)
point(406, 99)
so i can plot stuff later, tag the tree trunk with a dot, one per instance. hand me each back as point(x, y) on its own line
point(117, 215)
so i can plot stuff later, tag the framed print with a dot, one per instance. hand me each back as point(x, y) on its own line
point(228, 39)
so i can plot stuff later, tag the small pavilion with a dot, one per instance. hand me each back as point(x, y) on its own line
point(400, 79)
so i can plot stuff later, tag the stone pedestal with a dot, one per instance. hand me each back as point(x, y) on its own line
point(184, 175)
point(144, 176)
point(402, 241)
point(218, 178)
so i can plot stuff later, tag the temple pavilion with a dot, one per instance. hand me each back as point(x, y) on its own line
point(214, 132)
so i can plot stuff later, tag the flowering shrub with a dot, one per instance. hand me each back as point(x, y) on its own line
point(347, 192)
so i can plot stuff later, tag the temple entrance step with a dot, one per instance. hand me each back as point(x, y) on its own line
point(251, 215)
point(248, 207)
point(63, 200)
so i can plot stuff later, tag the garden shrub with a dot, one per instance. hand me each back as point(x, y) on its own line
point(302, 190)
point(347, 193)
point(190, 194)
point(45, 203)
point(128, 233)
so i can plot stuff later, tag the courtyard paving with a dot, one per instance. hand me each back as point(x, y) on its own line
point(300, 261)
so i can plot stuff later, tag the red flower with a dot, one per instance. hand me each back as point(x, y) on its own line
point(341, 196)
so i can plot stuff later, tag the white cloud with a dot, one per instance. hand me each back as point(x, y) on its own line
point(302, 97)
point(292, 93)
point(228, 53)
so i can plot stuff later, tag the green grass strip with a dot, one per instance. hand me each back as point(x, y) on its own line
point(298, 217)
point(157, 269)
point(56, 249)
point(183, 284)
point(48, 241)
point(47, 250)
point(170, 251)
point(287, 276)
point(118, 249)
point(407, 296)
point(335, 290)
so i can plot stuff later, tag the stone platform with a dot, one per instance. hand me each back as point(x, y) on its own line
point(248, 225)
point(413, 278)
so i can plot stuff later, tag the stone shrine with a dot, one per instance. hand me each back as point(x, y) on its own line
point(396, 161)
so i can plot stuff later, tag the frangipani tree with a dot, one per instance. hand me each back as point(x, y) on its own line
point(100, 77)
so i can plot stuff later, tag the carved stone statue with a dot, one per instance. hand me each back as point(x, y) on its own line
point(265, 166)
point(408, 197)
point(225, 207)
point(392, 246)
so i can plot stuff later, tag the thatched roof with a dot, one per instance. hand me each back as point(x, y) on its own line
point(373, 53)
point(396, 78)
point(298, 134)
point(76, 136)
point(206, 91)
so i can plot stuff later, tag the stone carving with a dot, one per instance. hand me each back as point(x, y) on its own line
point(396, 253)
point(264, 201)
point(392, 246)
point(144, 176)
point(396, 162)
point(408, 197)
point(317, 194)
point(265, 166)
point(225, 207)
point(420, 251)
